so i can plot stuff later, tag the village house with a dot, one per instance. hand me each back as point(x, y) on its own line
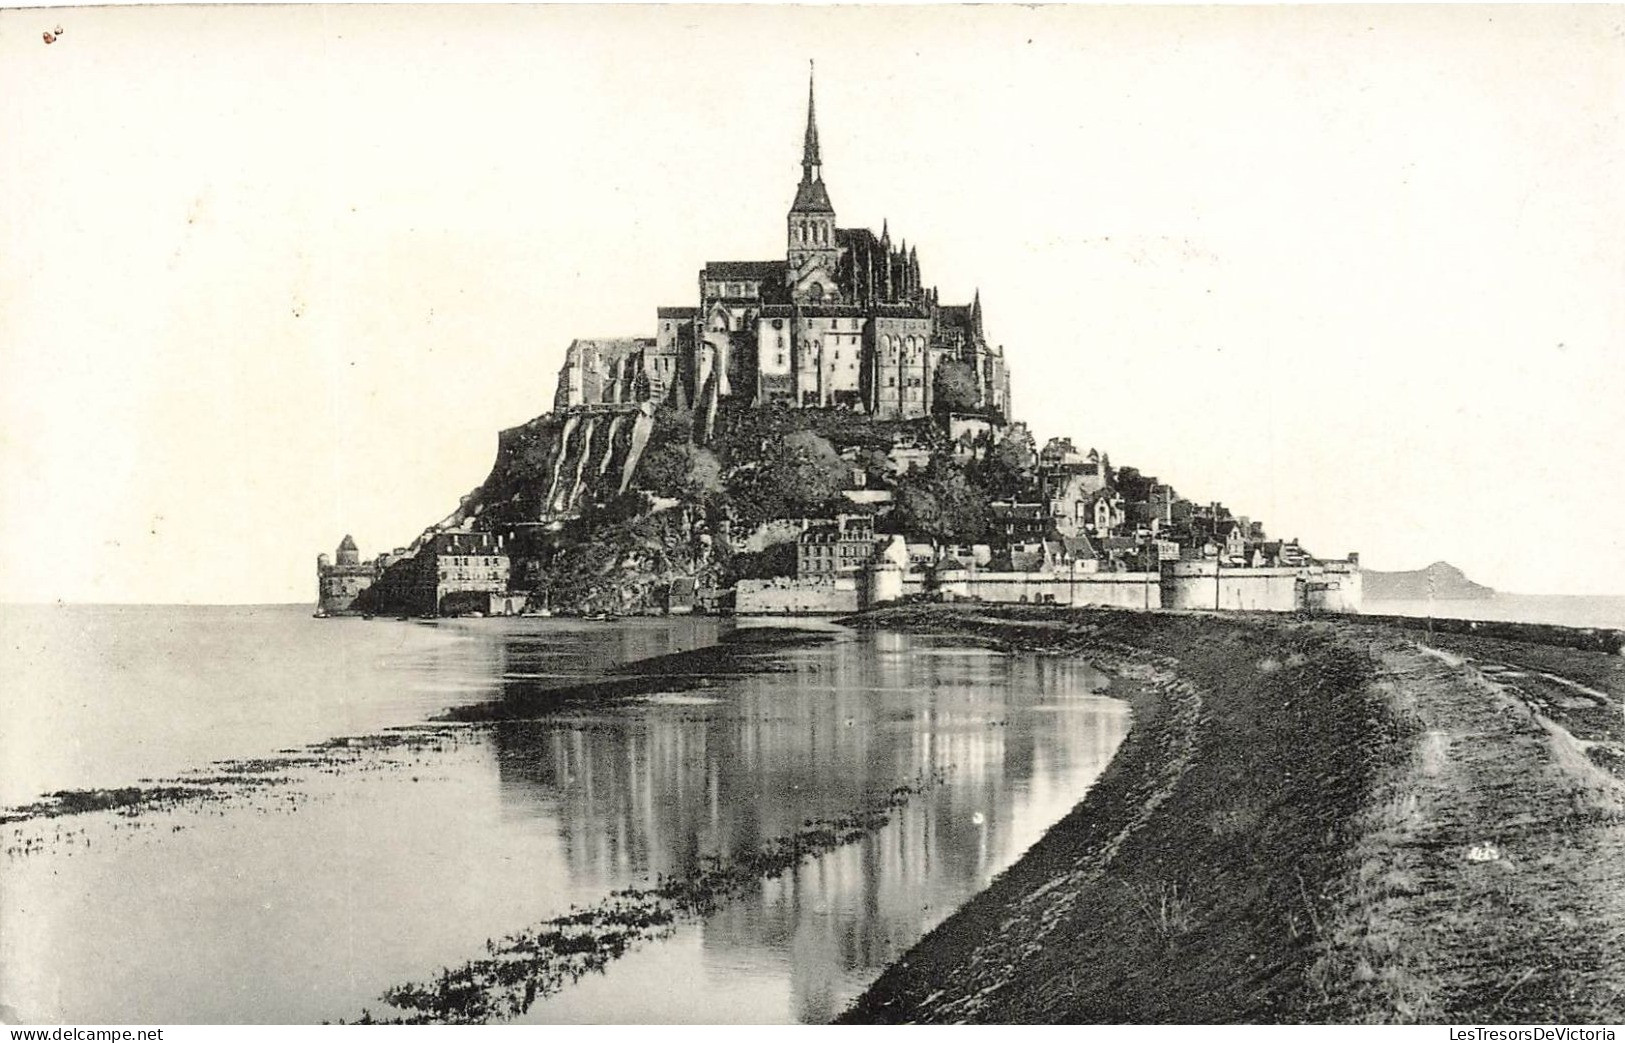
point(450, 573)
point(838, 548)
point(1017, 522)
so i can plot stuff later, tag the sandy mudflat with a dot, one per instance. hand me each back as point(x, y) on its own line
point(1310, 822)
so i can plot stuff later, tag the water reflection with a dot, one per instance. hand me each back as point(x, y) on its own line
point(303, 911)
point(657, 790)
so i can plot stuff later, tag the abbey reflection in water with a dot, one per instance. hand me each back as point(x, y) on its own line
point(659, 787)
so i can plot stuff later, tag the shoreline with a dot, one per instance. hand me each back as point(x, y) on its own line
point(1310, 821)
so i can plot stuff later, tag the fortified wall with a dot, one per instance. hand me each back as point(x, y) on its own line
point(1189, 585)
point(1140, 590)
point(1327, 587)
point(797, 597)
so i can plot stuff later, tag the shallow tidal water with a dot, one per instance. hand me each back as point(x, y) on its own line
point(307, 897)
point(1557, 609)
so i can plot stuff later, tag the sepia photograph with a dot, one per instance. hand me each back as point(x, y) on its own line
point(770, 514)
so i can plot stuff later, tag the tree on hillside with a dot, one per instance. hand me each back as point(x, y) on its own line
point(682, 471)
point(614, 512)
point(797, 475)
point(776, 560)
point(673, 424)
point(1006, 471)
point(743, 432)
point(940, 502)
point(817, 473)
point(1135, 487)
point(954, 389)
point(876, 467)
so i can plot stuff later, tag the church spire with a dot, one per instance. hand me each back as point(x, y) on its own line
point(809, 152)
point(814, 254)
point(811, 196)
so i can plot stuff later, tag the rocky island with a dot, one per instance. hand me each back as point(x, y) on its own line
point(1440, 581)
point(815, 434)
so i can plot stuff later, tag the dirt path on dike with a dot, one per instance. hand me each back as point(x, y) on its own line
point(1308, 822)
point(1493, 859)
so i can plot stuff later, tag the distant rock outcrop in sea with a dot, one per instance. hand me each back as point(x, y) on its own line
point(1441, 581)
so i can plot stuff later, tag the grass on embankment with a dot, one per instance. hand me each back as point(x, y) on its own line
point(1194, 883)
point(1494, 854)
point(1308, 822)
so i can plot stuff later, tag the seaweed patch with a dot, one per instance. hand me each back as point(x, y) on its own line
point(521, 968)
point(224, 780)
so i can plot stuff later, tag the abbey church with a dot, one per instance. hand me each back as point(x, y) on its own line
point(844, 319)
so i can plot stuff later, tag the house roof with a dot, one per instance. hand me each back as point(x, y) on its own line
point(900, 310)
point(1026, 561)
point(832, 311)
point(465, 543)
point(812, 197)
point(612, 343)
point(1079, 547)
point(744, 269)
point(679, 311)
point(863, 238)
point(1017, 510)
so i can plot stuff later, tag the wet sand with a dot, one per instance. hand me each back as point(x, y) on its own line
point(1309, 822)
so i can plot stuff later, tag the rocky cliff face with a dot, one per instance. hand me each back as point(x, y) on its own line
point(1440, 581)
point(554, 465)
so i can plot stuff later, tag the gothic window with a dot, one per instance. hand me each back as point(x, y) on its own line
point(816, 291)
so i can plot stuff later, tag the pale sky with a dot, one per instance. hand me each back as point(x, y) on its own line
point(271, 275)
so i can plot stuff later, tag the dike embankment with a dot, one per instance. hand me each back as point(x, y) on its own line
point(1309, 821)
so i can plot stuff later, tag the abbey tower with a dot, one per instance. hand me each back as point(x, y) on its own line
point(844, 320)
